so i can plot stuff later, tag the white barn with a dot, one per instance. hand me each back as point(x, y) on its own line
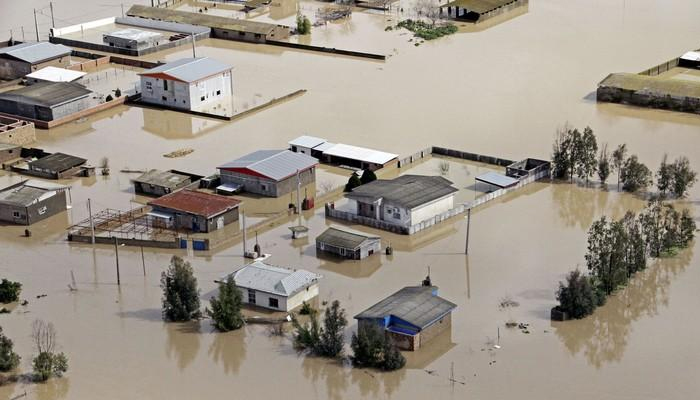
point(193, 84)
point(275, 288)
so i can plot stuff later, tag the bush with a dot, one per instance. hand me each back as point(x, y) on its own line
point(634, 175)
point(306, 309)
point(117, 93)
point(307, 336)
point(367, 176)
point(109, 98)
point(9, 291)
point(9, 360)
point(226, 309)
point(578, 297)
point(303, 25)
point(426, 31)
point(180, 292)
point(332, 333)
point(372, 349)
point(47, 365)
point(353, 182)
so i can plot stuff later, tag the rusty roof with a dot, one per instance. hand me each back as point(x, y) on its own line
point(195, 202)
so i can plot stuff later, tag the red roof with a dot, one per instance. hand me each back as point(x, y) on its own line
point(198, 203)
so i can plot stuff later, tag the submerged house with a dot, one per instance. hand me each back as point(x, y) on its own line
point(56, 166)
point(46, 101)
point(342, 154)
point(31, 201)
point(22, 59)
point(159, 183)
point(411, 317)
point(348, 243)
point(192, 84)
point(403, 201)
point(195, 211)
point(132, 38)
point(271, 173)
point(276, 288)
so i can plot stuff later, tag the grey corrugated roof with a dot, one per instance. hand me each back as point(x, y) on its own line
point(416, 305)
point(57, 162)
point(35, 53)
point(408, 191)
point(307, 141)
point(162, 178)
point(344, 237)
point(271, 279)
point(189, 69)
point(133, 34)
point(496, 179)
point(28, 192)
point(47, 94)
point(274, 164)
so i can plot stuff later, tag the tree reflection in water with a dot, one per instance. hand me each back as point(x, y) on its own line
point(603, 336)
point(183, 342)
point(54, 388)
point(332, 372)
point(229, 348)
point(578, 205)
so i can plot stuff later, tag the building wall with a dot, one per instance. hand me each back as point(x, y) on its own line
point(439, 326)
point(265, 186)
point(205, 92)
point(35, 212)
point(395, 214)
point(13, 69)
point(9, 154)
point(228, 217)
point(21, 134)
point(374, 246)
point(189, 221)
point(195, 96)
point(431, 209)
point(156, 190)
point(124, 43)
point(262, 299)
point(44, 113)
point(305, 295)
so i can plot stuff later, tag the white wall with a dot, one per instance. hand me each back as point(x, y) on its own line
point(208, 89)
point(305, 295)
point(431, 209)
point(187, 96)
point(285, 304)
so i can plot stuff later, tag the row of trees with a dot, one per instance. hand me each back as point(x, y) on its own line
point(47, 363)
point(617, 249)
point(371, 347)
point(575, 155)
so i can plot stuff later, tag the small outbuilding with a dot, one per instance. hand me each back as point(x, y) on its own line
point(53, 74)
point(194, 210)
point(56, 166)
point(358, 157)
point(690, 59)
point(132, 38)
point(46, 101)
point(159, 183)
point(411, 317)
point(494, 179)
point(273, 287)
point(9, 152)
point(271, 173)
point(22, 59)
point(348, 243)
point(31, 201)
point(306, 145)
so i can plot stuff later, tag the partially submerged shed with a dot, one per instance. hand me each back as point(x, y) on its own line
point(45, 101)
point(159, 183)
point(358, 157)
point(31, 201)
point(132, 38)
point(194, 210)
point(348, 243)
point(478, 10)
point(56, 166)
point(22, 59)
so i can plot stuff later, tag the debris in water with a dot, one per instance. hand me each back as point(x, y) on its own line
point(40, 296)
point(24, 303)
point(4, 311)
point(179, 153)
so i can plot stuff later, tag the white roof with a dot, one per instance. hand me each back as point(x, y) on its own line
point(360, 153)
point(307, 141)
point(133, 34)
point(189, 69)
point(271, 279)
point(496, 179)
point(55, 74)
point(324, 146)
point(691, 55)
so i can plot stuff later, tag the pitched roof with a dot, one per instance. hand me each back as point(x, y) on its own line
point(35, 53)
point(417, 305)
point(344, 237)
point(47, 94)
point(359, 153)
point(274, 164)
point(167, 179)
point(197, 203)
point(55, 74)
point(189, 69)
point(307, 141)
point(28, 192)
point(408, 191)
point(57, 162)
point(275, 280)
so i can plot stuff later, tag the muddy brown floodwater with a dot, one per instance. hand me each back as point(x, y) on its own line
point(500, 91)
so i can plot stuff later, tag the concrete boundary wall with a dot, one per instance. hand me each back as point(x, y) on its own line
point(501, 162)
point(330, 50)
point(80, 27)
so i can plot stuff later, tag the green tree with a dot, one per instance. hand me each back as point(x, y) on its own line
point(9, 360)
point(332, 333)
point(687, 228)
point(561, 153)
point(353, 182)
point(635, 258)
point(372, 349)
point(634, 175)
point(586, 150)
point(664, 176)
point(180, 292)
point(226, 308)
point(683, 177)
point(652, 227)
point(574, 142)
point(393, 359)
point(578, 297)
point(307, 336)
point(368, 176)
point(603, 164)
point(606, 252)
point(619, 156)
point(303, 24)
point(9, 291)
point(47, 363)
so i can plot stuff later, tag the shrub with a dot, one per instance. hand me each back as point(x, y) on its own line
point(180, 292)
point(427, 31)
point(226, 308)
point(9, 360)
point(577, 297)
point(9, 291)
point(109, 98)
point(117, 93)
point(367, 176)
point(47, 365)
point(634, 175)
point(372, 349)
point(307, 336)
point(306, 309)
point(353, 182)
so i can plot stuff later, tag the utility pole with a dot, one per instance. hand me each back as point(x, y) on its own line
point(143, 262)
point(36, 26)
point(469, 220)
point(194, 51)
point(298, 193)
point(53, 23)
point(116, 253)
point(23, 39)
point(92, 223)
point(122, 10)
point(244, 237)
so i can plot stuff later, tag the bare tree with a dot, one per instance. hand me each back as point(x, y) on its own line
point(44, 336)
point(429, 9)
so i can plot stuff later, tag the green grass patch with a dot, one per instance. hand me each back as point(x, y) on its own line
point(427, 31)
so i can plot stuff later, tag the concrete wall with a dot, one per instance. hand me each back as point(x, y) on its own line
point(35, 212)
point(268, 187)
point(16, 132)
point(42, 113)
point(431, 209)
point(9, 154)
point(278, 33)
point(373, 246)
point(190, 221)
point(305, 295)
point(649, 99)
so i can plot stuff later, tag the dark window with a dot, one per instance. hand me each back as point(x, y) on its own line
point(15, 214)
point(218, 92)
point(165, 98)
point(202, 98)
point(251, 296)
point(274, 303)
point(165, 85)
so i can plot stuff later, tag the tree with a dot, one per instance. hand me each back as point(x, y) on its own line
point(687, 228)
point(332, 333)
point(634, 175)
point(353, 182)
point(606, 251)
point(619, 156)
point(635, 258)
point(367, 176)
point(226, 308)
point(683, 177)
point(393, 359)
point(603, 164)
point(429, 9)
point(664, 176)
point(47, 363)
point(117, 93)
point(180, 292)
point(303, 24)
point(586, 150)
point(307, 336)
point(577, 297)
point(561, 150)
point(9, 360)
point(372, 349)
point(9, 291)
point(574, 143)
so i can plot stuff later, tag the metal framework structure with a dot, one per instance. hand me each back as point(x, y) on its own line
point(136, 224)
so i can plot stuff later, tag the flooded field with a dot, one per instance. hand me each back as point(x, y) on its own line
point(500, 91)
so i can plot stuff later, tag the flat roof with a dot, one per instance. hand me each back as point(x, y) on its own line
point(417, 305)
point(359, 153)
point(408, 191)
point(274, 164)
point(57, 162)
point(47, 94)
point(479, 6)
point(643, 83)
point(272, 279)
point(28, 192)
point(188, 69)
point(55, 74)
point(162, 178)
point(212, 21)
point(133, 34)
point(35, 52)
point(691, 56)
point(307, 141)
point(197, 203)
point(496, 179)
point(345, 237)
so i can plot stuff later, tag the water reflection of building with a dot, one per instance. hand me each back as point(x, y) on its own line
point(229, 349)
point(352, 269)
point(174, 125)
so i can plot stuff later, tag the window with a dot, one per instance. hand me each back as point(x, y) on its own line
point(251, 296)
point(263, 187)
point(165, 84)
point(274, 303)
point(202, 98)
point(15, 214)
point(218, 92)
point(342, 251)
point(165, 98)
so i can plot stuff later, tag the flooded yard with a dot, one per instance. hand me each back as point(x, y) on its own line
point(500, 91)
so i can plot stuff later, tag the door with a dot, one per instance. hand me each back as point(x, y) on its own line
point(220, 223)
